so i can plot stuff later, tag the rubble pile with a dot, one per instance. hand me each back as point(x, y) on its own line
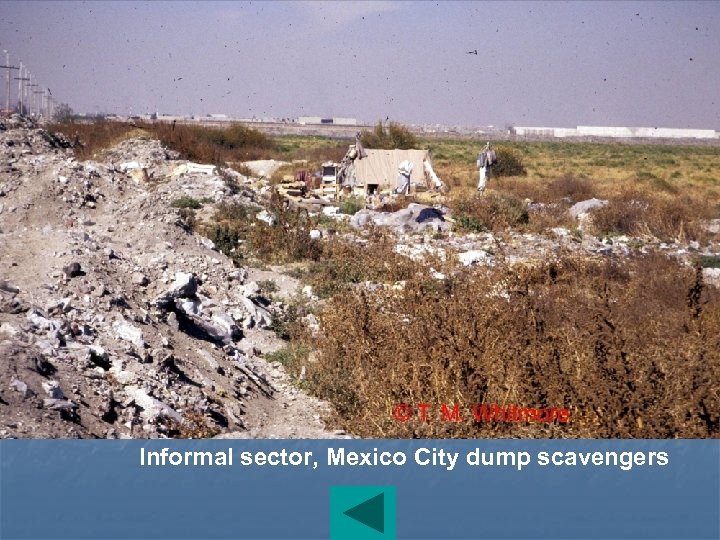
point(114, 321)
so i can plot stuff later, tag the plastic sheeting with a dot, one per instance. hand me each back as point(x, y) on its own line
point(381, 167)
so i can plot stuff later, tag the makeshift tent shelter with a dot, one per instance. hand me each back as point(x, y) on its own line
point(379, 170)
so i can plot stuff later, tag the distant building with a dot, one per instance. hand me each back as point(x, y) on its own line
point(617, 132)
point(335, 121)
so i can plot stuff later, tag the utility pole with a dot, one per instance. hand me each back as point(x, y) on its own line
point(21, 88)
point(50, 102)
point(33, 101)
point(30, 97)
point(8, 67)
point(39, 101)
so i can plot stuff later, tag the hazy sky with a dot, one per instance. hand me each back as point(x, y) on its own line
point(653, 64)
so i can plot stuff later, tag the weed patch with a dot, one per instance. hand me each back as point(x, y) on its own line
point(186, 202)
point(626, 348)
point(489, 212)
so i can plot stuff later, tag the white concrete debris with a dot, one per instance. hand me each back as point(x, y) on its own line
point(130, 166)
point(128, 332)
point(185, 285)
point(266, 217)
point(470, 258)
point(582, 208)
point(194, 168)
point(19, 386)
point(712, 276)
point(9, 330)
point(264, 168)
point(259, 316)
point(152, 408)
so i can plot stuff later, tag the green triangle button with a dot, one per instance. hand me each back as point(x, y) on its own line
point(362, 513)
point(370, 513)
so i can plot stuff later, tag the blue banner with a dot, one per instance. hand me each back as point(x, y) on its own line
point(421, 489)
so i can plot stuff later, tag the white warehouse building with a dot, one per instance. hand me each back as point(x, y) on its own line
point(335, 121)
point(618, 132)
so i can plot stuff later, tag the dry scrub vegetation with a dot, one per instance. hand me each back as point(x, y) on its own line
point(632, 350)
point(196, 143)
point(530, 206)
point(217, 145)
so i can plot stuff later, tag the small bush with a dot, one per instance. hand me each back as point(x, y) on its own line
point(709, 261)
point(292, 357)
point(237, 233)
point(285, 322)
point(186, 202)
point(509, 163)
point(469, 224)
point(395, 136)
point(345, 264)
point(225, 237)
point(549, 216)
point(188, 220)
point(235, 212)
point(352, 205)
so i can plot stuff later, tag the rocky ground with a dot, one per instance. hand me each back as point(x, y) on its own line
point(117, 322)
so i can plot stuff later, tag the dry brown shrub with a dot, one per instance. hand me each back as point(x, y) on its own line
point(522, 188)
point(489, 211)
point(195, 425)
point(547, 216)
point(631, 350)
point(213, 145)
point(197, 143)
point(678, 218)
point(92, 137)
point(669, 218)
point(316, 156)
point(622, 215)
point(570, 187)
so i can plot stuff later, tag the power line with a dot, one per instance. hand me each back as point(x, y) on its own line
point(8, 68)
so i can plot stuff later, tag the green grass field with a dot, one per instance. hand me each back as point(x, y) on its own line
point(613, 167)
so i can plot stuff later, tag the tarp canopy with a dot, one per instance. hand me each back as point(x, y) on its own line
point(381, 167)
